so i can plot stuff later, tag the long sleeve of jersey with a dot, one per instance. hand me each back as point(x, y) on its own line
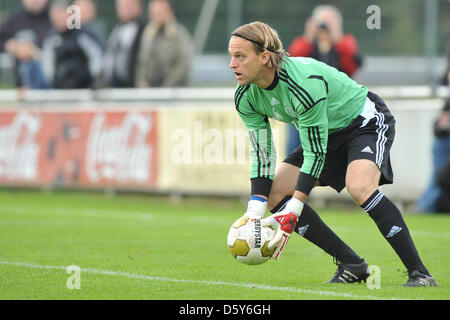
point(313, 130)
point(262, 149)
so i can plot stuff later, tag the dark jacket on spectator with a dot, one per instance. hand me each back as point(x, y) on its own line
point(72, 59)
point(38, 24)
point(24, 25)
point(121, 54)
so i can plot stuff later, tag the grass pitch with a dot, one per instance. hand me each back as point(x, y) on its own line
point(137, 247)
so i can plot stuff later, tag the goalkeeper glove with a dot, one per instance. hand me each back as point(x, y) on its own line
point(286, 220)
point(257, 207)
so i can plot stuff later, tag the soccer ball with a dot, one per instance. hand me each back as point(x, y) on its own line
point(248, 241)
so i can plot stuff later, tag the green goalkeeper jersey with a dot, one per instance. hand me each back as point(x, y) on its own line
point(313, 97)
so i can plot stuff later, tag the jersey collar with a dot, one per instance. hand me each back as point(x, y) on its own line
point(274, 82)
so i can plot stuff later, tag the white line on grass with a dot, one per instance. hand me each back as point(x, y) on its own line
point(325, 293)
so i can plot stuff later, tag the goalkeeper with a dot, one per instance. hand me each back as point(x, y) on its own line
point(346, 134)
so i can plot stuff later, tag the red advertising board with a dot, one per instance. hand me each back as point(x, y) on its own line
point(78, 148)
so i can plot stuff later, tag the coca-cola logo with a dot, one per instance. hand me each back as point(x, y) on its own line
point(19, 152)
point(120, 152)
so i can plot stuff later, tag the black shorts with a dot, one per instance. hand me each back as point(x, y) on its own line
point(371, 140)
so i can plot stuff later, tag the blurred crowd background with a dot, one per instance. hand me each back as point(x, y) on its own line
point(410, 47)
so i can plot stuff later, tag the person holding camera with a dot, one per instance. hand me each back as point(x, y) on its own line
point(324, 40)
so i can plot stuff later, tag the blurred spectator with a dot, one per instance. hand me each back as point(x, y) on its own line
point(324, 40)
point(89, 21)
point(446, 78)
point(436, 197)
point(72, 58)
point(22, 35)
point(443, 182)
point(165, 54)
point(123, 45)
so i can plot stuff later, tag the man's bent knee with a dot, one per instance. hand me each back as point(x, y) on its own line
point(360, 192)
point(362, 179)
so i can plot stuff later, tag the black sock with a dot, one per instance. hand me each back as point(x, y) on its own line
point(392, 226)
point(313, 229)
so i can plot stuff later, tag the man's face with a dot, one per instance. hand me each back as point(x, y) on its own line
point(128, 9)
point(245, 63)
point(34, 6)
point(331, 21)
point(87, 9)
point(59, 16)
point(160, 12)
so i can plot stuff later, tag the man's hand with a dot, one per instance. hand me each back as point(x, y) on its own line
point(310, 30)
point(22, 50)
point(257, 207)
point(286, 221)
point(25, 51)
